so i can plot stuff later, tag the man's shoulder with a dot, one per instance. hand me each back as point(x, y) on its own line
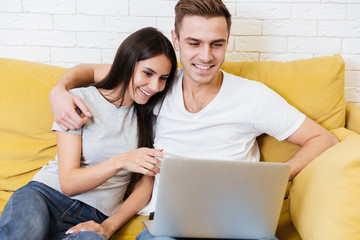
point(234, 81)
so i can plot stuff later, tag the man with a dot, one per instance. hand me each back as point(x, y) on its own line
point(209, 113)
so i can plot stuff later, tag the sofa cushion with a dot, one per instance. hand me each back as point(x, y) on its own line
point(353, 117)
point(325, 196)
point(131, 229)
point(26, 139)
point(314, 86)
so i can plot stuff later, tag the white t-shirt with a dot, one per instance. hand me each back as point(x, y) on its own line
point(226, 129)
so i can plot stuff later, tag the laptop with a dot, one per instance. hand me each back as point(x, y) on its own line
point(219, 199)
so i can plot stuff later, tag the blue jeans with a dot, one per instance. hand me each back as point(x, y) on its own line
point(145, 235)
point(37, 212)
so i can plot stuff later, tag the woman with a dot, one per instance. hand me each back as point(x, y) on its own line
point(84, 187)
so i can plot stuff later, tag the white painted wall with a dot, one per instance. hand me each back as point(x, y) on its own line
point(69, 32)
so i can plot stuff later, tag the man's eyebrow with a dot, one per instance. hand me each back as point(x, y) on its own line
point(192, 39)
point(198, 40)
point(219, 40)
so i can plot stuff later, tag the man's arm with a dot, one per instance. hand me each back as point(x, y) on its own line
point(63, 103)
point(313, 139)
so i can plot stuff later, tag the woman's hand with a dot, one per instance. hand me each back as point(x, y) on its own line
point(143, 160)
point(92, 226)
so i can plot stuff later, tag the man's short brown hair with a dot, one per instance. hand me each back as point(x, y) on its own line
point(203, 8)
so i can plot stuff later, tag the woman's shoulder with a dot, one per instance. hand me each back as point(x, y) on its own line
point(84, 92)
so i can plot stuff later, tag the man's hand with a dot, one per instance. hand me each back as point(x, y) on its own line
point(63, 105)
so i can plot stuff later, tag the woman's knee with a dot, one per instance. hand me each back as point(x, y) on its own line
point(28, 203)
point(26, 211)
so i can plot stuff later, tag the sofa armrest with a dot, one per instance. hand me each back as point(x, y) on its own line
point(353, 117)
point(324, 197)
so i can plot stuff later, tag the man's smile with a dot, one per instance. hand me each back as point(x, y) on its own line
point(202, 67)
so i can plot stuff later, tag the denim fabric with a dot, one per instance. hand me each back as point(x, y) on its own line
point(145, 235)
point(37, 211)
point(86, 235)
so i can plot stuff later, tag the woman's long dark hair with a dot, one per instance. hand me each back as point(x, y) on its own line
point(141, 45)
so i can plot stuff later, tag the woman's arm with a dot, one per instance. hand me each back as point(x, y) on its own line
point(75, 179)
point(133, 204)
point(63, 103)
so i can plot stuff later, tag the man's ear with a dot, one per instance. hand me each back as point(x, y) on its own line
point(175, 40)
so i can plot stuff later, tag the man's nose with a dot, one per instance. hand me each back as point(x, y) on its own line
point(206, 53)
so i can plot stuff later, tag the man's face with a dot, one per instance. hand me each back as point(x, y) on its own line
point(202, 43)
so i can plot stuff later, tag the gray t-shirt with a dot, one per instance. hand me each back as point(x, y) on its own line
point(109, 132)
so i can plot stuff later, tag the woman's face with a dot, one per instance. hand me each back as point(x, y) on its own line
point(149, 78)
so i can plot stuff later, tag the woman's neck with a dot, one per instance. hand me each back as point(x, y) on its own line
point(113, 94)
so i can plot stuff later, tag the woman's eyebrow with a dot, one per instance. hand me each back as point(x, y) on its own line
point(150, 69)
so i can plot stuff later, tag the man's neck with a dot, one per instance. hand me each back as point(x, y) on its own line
point(198, 95)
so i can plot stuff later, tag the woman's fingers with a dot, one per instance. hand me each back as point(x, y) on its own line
point(144, 160)
point(151, 164)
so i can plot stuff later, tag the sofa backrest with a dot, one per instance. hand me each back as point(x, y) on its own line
point(26, 139)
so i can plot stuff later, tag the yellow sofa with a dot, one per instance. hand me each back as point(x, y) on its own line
point(322, 202)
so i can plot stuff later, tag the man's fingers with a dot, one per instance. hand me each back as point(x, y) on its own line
point(72, 120)
point(63, 127)
point(82, 107)
point(64, 108)
point(65, 123)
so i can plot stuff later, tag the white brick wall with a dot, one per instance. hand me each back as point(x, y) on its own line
point(69, 32)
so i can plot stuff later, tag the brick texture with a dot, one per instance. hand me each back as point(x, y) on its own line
point(70, 32)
